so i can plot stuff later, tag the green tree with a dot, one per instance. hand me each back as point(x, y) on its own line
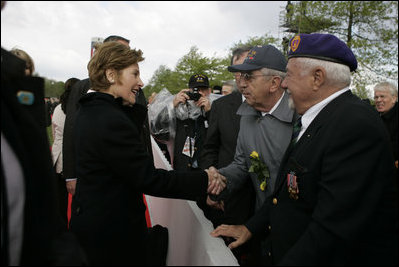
point(163, 77)
point(300, 17)
point(53, 88)
point(369, 28)
point(195, 62)
point(257, 40)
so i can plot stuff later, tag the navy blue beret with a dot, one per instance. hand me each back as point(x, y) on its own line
point(324, 47)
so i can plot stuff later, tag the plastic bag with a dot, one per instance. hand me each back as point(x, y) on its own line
point(161, 117)
point(190, 110)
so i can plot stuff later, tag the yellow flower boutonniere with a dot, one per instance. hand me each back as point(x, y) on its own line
point(259, 168)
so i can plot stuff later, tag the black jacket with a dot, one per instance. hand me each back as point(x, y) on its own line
point(224, 125)
point(218, 151)
point(78, 90)
point(390, 120)
point(114, 170)
point(195, 129)
point(345, 213)
point(23, 127)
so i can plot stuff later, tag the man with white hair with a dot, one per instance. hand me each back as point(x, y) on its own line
point(386, 103)
point(333, 202)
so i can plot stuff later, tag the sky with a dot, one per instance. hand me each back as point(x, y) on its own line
point(57, 34)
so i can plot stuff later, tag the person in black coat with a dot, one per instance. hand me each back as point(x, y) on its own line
point(113, 167)
point(26, 138)
point(31, 230)
point(79, 90)
point(333, 202)
point(386, 103)
point(192, 107)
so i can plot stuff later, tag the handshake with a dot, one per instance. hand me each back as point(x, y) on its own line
point(216, 184)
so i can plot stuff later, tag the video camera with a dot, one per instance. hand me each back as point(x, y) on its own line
point(194, 95)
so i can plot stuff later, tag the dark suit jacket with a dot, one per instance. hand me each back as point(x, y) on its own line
point(218, 151)
point(224, 125)
point(78, 90)
point(114, 170)
point(345, 213)
point(390, 120)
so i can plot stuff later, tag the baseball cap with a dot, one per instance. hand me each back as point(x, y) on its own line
point(198, 80)
point(266, 56)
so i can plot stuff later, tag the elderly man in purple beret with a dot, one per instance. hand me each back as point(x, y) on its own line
point(333, 202)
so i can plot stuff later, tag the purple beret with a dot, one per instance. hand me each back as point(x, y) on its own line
point(324, 47)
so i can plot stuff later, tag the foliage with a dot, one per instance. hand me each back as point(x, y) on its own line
point(49, 130)
point(369, 28)
point(195, 62)
point(257, 40)
point(53, 88)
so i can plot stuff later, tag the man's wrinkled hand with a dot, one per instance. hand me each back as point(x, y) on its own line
point(205, 103)
point(239, 232)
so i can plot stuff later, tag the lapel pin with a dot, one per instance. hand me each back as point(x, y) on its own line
point(25, 97)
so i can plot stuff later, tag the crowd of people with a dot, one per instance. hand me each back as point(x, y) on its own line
point(289, 166)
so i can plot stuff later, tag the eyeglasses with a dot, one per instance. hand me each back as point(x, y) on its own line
point(247, 77)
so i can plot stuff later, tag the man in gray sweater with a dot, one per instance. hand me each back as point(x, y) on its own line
point(265, 126)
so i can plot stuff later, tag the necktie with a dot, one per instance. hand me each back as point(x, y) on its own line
point(296, 130)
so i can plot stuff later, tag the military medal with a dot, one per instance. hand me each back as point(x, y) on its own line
point(292, 185)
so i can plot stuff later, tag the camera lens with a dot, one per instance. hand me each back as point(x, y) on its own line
point(194, 95)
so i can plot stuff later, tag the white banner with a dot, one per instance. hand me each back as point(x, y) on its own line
point(190, 243)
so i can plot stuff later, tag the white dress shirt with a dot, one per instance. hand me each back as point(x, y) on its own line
point(311, 113)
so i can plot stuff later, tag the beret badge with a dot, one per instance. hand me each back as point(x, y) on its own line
point(295, 43)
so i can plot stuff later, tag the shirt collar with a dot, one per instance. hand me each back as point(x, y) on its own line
point(311, 113)
point(274, 107)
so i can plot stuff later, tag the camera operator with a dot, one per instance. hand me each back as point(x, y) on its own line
point(192, 108)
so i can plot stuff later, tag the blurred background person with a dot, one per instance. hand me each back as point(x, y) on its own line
point(29, 64)
point(192, 107)
point(386, 103)
point(29, 69)
point(217, 89)
point(58, 121)
point(228, 87)
point(151, 97)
